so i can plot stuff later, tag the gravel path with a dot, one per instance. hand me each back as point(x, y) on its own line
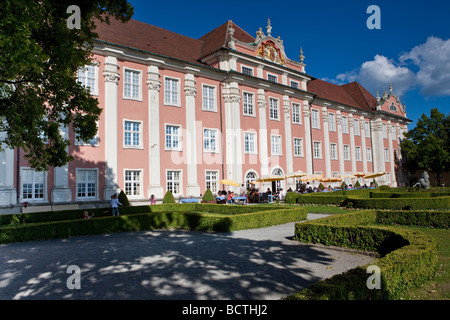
point(255, 264)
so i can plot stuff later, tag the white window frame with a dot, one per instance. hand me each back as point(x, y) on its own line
point(246, 104)
point(388, 177)
point(369, 154)
point(273, 111)
point(140, 132)
point(133, 182)
point(333, 151)
point(315, 119)
point(332, 122)
point(180, 181)
point(33, 183)
point(356, 126)
point(296, 113)
point(139, 85)
point(386, 155)
point(210, 181)
point(317, 152)
point(249, 69)
point(345, 125)
point(346, 152)
point(251, 142)
point(248, 179)
point(393, 133)
point(211, 106)
point(214, 137)
point(77, 176)
point(294, 84)
point(367, 128)
point(84, 83)
point(385, 133)
point(274, 79)
point(178, 136)
point(94, 142)
point(275, 146)
point(358, 153)
point(178, 96)
point(298, 147)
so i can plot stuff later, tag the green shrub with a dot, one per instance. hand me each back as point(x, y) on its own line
point(291, 197)
point(385, 187)
point(123, 199)
point(321, 187)
point(400, 203)
point(357, 184)
point(424, 218)
point(408, 257)
point(343, 185)
point(312, 199)
point(208, 196)
point(168, 197)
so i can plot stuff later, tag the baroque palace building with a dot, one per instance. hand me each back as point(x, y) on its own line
point(181, 114)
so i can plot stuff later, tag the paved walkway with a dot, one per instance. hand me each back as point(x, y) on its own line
point(171, 264)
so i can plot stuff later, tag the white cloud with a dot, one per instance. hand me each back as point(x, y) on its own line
point(431, 59)
point(375, 76)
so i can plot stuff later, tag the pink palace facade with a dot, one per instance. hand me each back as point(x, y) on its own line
point(181, 114)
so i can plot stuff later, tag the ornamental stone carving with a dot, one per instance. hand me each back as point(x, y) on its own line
point(154, 85)
point(190, 91)
point(111, 73)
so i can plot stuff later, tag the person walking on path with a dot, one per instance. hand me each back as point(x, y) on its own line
point(115, 205)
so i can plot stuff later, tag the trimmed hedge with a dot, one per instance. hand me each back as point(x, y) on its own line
point(263, 217)
point(400, 203)
point(424, 218)
point(408, 258)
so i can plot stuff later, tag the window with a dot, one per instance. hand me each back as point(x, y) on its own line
point(332, 122)
point(247, 71)
point(294, 84)
point(132, 84)
point(248, 104)
point(250, 142)
point(93, 142)
point(369, 154)
point(386, 155)
point(173, 137)
point(250, 177)
point(388, 177)
point(296, 113)
point(171, 91)
point(317, 150)
point(132, 134)
point(275, 145)
point(346, 152)
point(385, 131)
point(87, 76)
point(273, 109)
point(358, 153)
point(209, 94)
point(272, 78)
point(133, 183)
point(393, 135)
point(356, 125)
point(298, 147)
point(392, 107)
point(315, 118)
point(209, 140)
point(333, 151)
point(212, 180)
point(87, 183)
point(344, 124)
point(33, 184)
point(174, 181)
point(367, 129)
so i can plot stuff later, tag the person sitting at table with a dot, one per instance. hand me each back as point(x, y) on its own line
point(268, 191)
point(230, 195)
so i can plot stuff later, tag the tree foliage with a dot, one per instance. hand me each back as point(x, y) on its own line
point(427, 146)
point(39, 58)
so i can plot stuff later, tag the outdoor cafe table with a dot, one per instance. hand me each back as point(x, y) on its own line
point(239, 198)
point(188, 200)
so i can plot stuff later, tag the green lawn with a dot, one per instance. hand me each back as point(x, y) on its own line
point(439, 287)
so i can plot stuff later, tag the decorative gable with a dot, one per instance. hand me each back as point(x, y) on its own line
point(268, 47)
point(390, 103)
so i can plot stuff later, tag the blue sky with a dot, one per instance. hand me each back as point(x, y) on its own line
point(411, 50)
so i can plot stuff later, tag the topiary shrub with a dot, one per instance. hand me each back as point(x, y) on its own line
point(123, 199)
point(385, 188)
point(208, 197)
point(291, 197)
point(321, 187)
point(343, 185)
point(357, 184)
point(168, 197)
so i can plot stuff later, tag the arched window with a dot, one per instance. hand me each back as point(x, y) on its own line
point(393, 107)
point(250, 177)
point(277, 172)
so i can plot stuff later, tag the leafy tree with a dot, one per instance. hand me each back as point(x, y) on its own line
point(39, 58)
point(427, 146)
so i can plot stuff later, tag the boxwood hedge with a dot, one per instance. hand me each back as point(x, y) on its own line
point(407, 257)
point(160, 217)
